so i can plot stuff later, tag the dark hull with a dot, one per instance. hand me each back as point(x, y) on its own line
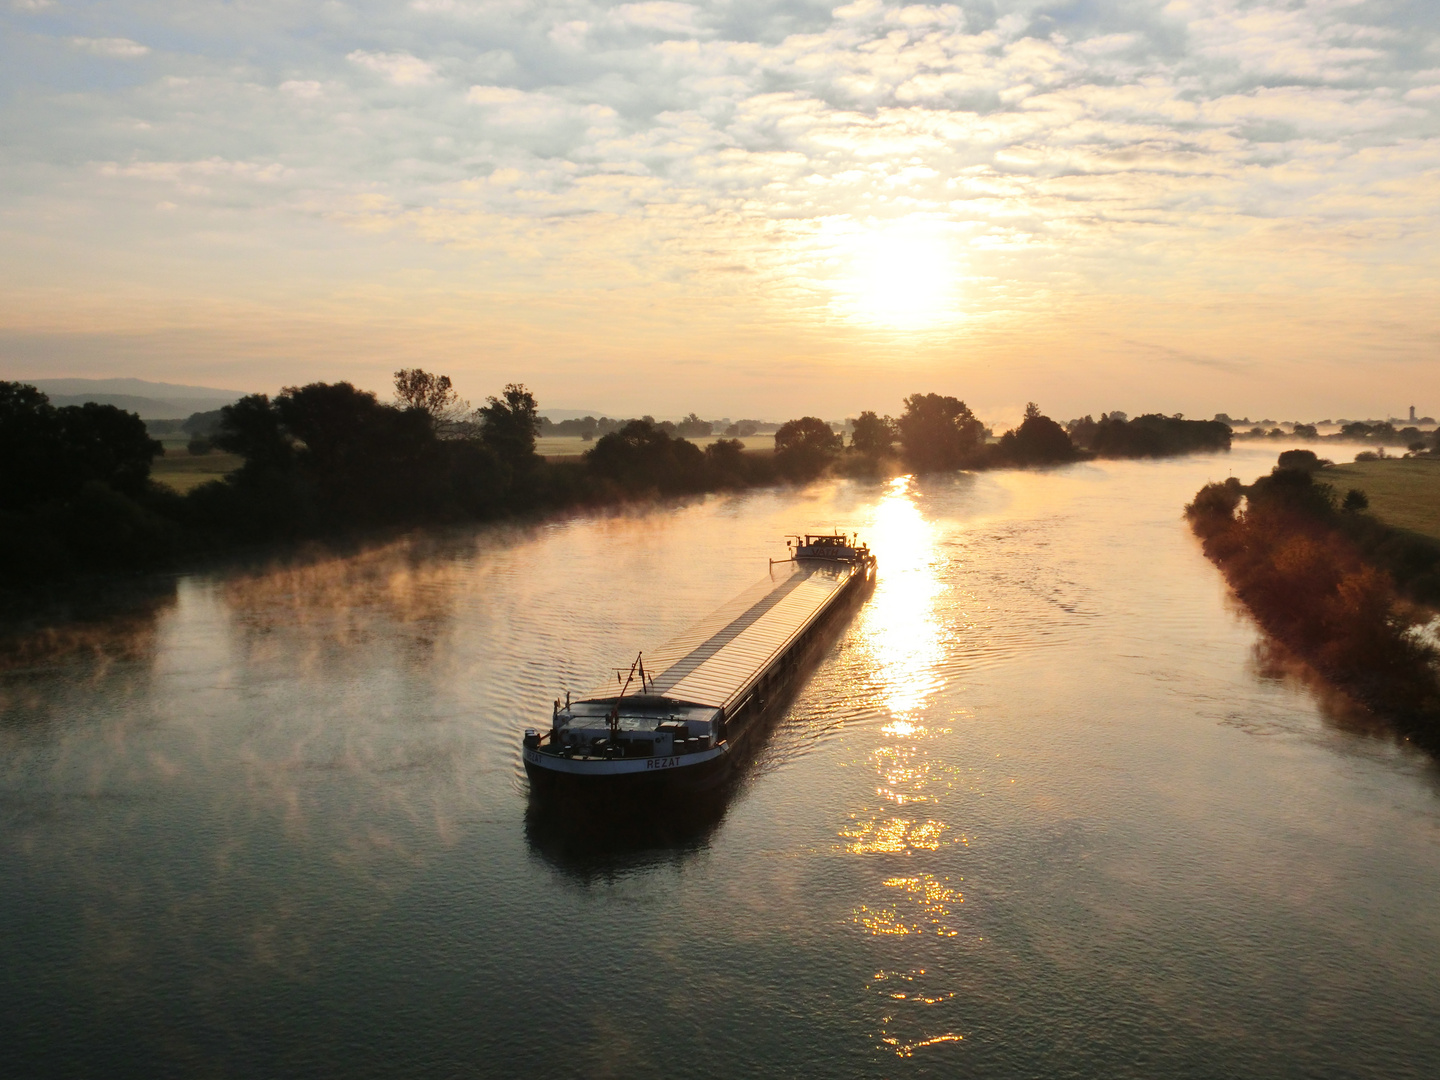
point(700, 776)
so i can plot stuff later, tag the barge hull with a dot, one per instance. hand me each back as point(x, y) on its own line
point(709, 772)
point(701, 691)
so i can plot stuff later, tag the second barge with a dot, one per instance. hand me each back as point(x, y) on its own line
point(677, 717)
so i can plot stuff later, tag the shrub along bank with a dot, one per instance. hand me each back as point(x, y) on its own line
point(1316, 572)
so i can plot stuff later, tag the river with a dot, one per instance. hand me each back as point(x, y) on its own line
point(1047, 806)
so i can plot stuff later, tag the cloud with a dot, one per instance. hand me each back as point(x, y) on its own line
point(402, 69)
point(1062, 151)
point(121, 48)
point(495, 95)
point(662, 15)
point(302, 88)
point(189, 171)
point(505, 105)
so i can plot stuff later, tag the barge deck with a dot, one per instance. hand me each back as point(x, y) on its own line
point(678, 713)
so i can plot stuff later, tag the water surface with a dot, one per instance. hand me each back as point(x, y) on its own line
point(1048, 806)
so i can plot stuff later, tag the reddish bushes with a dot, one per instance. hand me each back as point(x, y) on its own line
point(1287, 557)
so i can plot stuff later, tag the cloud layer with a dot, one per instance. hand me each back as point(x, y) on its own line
point(1241, 184)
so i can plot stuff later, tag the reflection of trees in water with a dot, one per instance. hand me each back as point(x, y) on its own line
point(321, 606)
point(1273, 661)
point(406, 582)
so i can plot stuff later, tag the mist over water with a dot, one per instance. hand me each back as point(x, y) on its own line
point(1048, 806)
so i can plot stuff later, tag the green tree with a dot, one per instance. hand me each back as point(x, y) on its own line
point(643, 456)
point(1355, 501)
point(108, 444)
point(1153, 435)
point(433, 395)
point(202, 423)
point(251, 428)
point(939, 432)
point(48, 453)
point(692, 427)
point(1037, 441)
point(509, 424)
point(725, 463)
point(1304, 460)
point(805, 446)
point(75, 491)
point(342, 430)
point(872, 435)
point(29, 447)
point(326, 456)
point(1082, 431)
point(1216, 500)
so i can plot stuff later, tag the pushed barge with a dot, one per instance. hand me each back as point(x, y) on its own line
point(677, 716)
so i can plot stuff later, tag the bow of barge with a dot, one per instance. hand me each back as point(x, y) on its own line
point(675, 717)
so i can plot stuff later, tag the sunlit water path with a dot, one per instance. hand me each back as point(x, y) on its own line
point(1044, 809)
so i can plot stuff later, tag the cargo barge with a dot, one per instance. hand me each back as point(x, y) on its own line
point(675, 718)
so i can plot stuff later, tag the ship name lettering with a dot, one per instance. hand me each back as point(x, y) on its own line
point(662, 763)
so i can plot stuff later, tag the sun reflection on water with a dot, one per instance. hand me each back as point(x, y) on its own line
point(901, 629)
point(894, 836)
point(907, 644)
point(902, 988)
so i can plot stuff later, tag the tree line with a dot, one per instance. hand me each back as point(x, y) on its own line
point(691, 427)
point(1382, 433)
point(327, 458)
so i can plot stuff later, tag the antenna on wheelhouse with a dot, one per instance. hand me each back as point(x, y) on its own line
point(614, 717)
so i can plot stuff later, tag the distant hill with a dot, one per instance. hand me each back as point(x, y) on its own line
point(152, 400)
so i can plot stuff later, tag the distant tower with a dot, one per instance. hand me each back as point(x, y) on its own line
point(1412, 414)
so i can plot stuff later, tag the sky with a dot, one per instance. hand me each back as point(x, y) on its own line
point(740, 208)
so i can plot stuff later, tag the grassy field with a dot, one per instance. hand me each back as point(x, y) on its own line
point(1403, 492)
point(182, 471)
point(564, 447)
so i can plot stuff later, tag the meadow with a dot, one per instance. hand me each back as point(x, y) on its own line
point(1403, 492)
point(570, 447)
point(183, 471)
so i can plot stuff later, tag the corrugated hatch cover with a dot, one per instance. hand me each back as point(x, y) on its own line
point(718, 658)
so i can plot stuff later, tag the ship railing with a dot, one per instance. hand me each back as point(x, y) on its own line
point(609, 749)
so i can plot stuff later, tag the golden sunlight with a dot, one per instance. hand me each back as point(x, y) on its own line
point(901, 276)
point(902, 630)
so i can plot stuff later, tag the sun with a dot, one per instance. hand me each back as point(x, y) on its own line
point(901, 276)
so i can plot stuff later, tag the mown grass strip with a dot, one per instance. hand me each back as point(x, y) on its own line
point(1403, 492)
